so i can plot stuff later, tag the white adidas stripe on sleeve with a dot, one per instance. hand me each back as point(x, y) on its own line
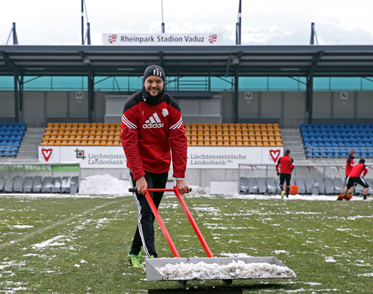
point(177, 125)
point(128, 123)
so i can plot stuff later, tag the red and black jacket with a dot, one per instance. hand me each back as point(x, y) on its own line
point(148, 134)
point(349, 165)
point(357, 170)
point(286, 164)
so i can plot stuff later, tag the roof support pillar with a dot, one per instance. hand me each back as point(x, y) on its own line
point(310, 96)
point(236, 94)
point(16, 99)
point(90, 95)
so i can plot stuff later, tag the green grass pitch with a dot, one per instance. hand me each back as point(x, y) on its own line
point(78, 245)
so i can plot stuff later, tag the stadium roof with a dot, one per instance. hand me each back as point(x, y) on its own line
point(320, 61)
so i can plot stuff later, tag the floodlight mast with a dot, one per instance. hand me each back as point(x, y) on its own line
point(238, 24)
point(14, 32)
point(87, 35)
point(163, 25)
point(82, 11)
point(313, 35)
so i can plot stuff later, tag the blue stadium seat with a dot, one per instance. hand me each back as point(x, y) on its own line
point(327, 144)
point(334, 144)
point(321, 144)
point(354, 144)
point(326, 139)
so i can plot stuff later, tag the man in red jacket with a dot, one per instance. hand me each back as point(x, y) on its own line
point(152, 126)
point(349, 165)
point(286, 167)
point(356, 178)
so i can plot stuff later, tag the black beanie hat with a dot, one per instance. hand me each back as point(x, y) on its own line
point(362, 160)
point(154, 70)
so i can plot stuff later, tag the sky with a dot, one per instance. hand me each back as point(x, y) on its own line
point(264, 22)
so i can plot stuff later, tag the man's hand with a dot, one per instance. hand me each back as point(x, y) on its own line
point(141, 185)
point(182, 186)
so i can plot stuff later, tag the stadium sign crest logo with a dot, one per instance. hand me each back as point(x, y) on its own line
point(112, 38)
point(275, 154)
point(46, 153)
point(213, 38)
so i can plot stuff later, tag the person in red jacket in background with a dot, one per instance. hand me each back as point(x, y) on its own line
point(349, 165)
point(286, 167)
point(152, 125)
point(355, 177)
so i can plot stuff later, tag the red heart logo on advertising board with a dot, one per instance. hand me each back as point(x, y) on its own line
point(274, 154)
point(46, 153)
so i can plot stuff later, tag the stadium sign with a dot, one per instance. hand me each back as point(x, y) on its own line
point(198, 157)
point(162, 39)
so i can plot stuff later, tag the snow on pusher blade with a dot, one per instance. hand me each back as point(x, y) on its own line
point(216, 268)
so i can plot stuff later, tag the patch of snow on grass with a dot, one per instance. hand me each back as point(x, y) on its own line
point(329, 259)
point(50, 242)
point(366, 275)
point(22, 227)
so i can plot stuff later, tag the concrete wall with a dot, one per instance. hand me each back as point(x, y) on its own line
point(288, 108)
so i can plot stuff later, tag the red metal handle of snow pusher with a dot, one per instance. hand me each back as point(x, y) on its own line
point(162, 225)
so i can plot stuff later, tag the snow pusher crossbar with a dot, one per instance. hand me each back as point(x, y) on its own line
point(153, 266)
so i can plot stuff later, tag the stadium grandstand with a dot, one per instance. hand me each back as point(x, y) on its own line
point(251, 102)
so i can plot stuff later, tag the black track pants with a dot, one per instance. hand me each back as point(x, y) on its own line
point(144, 236)
point(285, 178)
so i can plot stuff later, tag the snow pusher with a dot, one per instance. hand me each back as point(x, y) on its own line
point(210, 268)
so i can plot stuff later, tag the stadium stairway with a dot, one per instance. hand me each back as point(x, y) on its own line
point(29, 146)
point(292, 140)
